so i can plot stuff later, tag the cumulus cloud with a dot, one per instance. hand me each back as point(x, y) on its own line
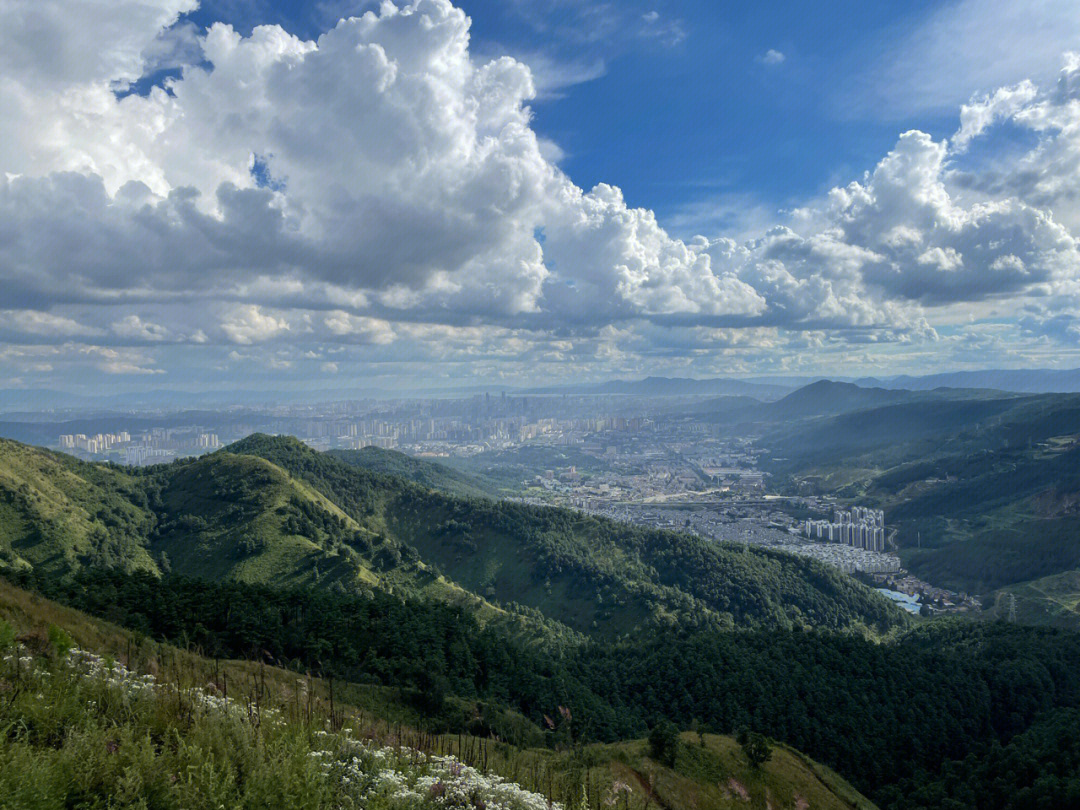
point(250, 324)
point(136, 328)
point(390, 164)
point(42, 324)
point(772, 57)
point(358, 328)
point(381, 183)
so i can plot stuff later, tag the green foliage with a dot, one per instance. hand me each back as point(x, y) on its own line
point(755, 747)
point(880, 713)
point(593, 575)
point(7, 635)
point(86, 732)
point(60, 641)
point(271, 510)
point(429, 474)
point(654, 611)
point(1035, 769)
point(981, 490)
point(664, 742)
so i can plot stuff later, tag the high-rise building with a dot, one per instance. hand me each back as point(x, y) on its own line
point(858, 527)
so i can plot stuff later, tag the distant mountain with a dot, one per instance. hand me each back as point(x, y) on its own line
point(819, 399)
point(1032, 381)
point(921, 424)
point(672, 387)
point(983, 492)
point(827, 397)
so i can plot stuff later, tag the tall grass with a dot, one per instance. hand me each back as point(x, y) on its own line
point(79, 730)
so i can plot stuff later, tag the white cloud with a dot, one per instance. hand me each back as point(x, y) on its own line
point(966, 47)
point(43, 324)
point(249, 324)
point(983, 111)
point(442, 214)
point(359, 328)
point(772, 57)
point(668, 31)
point(552, 75)
point(121, 367)
point(406, 208)
point(133, 327)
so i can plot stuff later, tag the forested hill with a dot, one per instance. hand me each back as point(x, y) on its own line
point(271, 510)
point(79, 740)
point(428, 474)
point(983, 492)
point(594, 575)
point(954, 714)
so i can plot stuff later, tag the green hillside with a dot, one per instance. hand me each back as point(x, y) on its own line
point(863, 707)
point(56, 513)
point(593, 575)
point(120, 720)
point(222, 516)
point(983, 492)
point(1053, 600)
point(273, 511)
point(426, 473)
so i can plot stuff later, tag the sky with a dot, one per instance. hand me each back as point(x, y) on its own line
point(284, 195)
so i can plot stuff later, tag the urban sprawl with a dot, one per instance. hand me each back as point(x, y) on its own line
point(617, 457)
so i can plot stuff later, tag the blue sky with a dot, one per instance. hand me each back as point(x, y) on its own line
point(686, 114)
point(272, 194)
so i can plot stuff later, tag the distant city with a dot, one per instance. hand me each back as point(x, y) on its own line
point(637, 459)
point(858, 527)
point(154, 446)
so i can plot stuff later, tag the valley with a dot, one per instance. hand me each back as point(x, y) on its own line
point(485, 598)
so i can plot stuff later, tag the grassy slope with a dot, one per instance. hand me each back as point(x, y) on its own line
point(254, 514)
point(222, 517)
point(589, 574)
point(55, 512)
point(711, 771)
point(273, 511)
point(709, 775)
point(1053, 600)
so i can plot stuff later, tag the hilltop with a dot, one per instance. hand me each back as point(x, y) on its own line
point(271, 510)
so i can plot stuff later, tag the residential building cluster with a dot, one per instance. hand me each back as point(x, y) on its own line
point(153, 446)
point(96, 444)
point(858, 527)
